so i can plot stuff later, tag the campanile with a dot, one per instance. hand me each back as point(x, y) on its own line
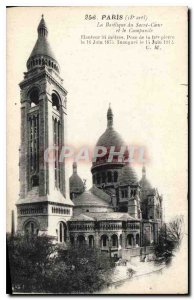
point(43, 207)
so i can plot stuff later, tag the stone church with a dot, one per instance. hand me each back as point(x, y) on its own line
point(119, 214)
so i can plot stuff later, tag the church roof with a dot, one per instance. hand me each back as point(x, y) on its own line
point(34, 197)
point(100, 193)
point(82, 217)
point(111, 216)
point(127, 175)
point(42, 46)
point(88, 198)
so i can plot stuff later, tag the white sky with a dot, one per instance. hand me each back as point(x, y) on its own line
point(148, 102)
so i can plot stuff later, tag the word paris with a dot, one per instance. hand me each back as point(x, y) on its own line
point(117, 17)
point(125, 154)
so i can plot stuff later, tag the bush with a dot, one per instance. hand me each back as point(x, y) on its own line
point(38, 265)
point(130, 272)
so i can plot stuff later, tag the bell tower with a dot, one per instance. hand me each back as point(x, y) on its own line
point(43, 206)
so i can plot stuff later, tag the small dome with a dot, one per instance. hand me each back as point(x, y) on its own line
point(144, 182)
point(88, 198)
point(75, 182)
point(127, 175)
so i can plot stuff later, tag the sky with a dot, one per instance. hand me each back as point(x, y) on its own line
point(144, 88)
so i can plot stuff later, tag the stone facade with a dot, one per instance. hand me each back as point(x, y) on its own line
point(119, 214)
point(43, 117)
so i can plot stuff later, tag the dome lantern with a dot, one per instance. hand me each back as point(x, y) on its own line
point(74, 167)
point(143, 171)
point(42, 28)
point(109, 117)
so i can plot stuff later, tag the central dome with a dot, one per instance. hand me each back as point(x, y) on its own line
point(110, 138)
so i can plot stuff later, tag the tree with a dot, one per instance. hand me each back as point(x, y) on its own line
point(39, 265)
point(170, 237)
point(87, 270)
point(30, 258)
point(175, 230)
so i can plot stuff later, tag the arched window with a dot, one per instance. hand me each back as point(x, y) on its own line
point(120, 240)
point(109, 176)
point(114, 240)
point(115, 176)
point(98, 178)
point(57, 141)
point(130, 240)
point(103, 177)
point(104, 241)
point(137, 239)
point(31, 228)
point(34, 97)
point(33, 150)
point(81, 240)
point(55, 102)
point(126, 193)
point(91, 241)
point(62, 232)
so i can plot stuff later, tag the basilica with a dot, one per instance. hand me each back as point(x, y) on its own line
point(120, 214)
